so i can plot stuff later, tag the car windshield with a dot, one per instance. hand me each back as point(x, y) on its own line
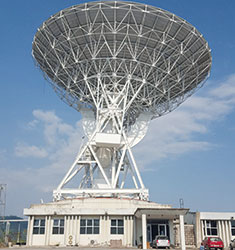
point(162, 237)
point(215, 239)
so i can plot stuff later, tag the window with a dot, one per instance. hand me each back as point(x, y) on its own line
point(117, 226)
point(39, 226)
point(233, 227)
point(58, 226)
point(211, 227)
point(89, 226)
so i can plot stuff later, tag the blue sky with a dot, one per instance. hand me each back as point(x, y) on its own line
point(191, 154)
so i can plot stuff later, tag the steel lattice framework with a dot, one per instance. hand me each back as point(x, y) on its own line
point(120, 61)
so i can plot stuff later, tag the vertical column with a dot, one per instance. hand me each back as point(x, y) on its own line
point(125, 231)
point(28, 230)
point(102, 226)
point(134, 231)
point(202, 230)
point(223, 231)
point(65, 230)
point(78, 231)
point(131, 231)
point(198, 231)
point(230, 230)
point(226, 243)
point(107, 227)
point(30, 238)
point(128, 231)
point(7, 231)
point(182, 236)
point(219, 228)
point(48, 230)
point(70, 224)
point(144, 232)
point(171, 231)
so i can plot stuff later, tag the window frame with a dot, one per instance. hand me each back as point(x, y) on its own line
point(59, 226)
point(211, 230)
point(117, 226)
point(89, 226)
point(233, 227)
point(39, 228)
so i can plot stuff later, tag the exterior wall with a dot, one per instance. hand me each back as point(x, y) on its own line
point(171, 232)
point(104, 209)
point(72, 229)
point(223, 221)
point(189, 235)
point(189, 231)
point(138, 230)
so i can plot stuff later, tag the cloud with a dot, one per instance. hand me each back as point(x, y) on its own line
point(3, 154)
point(61, 144)
point(32, 124)
point(49, 117)
point(53, 127)
point(22, 150)
point(176, 133)
point(226, 89)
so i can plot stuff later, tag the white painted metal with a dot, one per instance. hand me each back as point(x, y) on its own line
point(120, 64)
point(182, 236)
point(144, 231)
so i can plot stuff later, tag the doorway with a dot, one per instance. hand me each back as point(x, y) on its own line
point(157, 227)
point(162, 229)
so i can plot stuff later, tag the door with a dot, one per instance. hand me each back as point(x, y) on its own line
point(162, 229)
point(149, 233)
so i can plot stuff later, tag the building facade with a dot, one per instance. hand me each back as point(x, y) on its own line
point(122, 223)
point(221, 224)
point(101, 222)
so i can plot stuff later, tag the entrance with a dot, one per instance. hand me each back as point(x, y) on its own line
point(157, 227)
point(162, 229)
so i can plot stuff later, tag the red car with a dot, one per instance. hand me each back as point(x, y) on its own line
point(212, 243)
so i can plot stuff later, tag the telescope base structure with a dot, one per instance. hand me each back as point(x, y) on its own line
point(142, 194)
point(103, 170)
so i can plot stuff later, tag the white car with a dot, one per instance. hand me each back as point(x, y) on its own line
point(161, 241)
point(232, 244)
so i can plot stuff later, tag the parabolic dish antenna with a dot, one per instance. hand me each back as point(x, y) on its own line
point(120, 64)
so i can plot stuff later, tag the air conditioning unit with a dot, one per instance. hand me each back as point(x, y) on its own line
point(71, 240)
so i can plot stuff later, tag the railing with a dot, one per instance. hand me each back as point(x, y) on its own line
point(14, 231)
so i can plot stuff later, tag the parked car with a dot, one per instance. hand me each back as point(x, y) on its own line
point(161, 241)
point(232, 244)
point(213, 243)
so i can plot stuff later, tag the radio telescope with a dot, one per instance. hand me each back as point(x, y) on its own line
point(121, 64)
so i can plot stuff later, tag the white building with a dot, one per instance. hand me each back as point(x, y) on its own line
point(221, 224)
point(101, 222)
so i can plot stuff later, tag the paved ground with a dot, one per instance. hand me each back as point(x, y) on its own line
point(77, 248)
